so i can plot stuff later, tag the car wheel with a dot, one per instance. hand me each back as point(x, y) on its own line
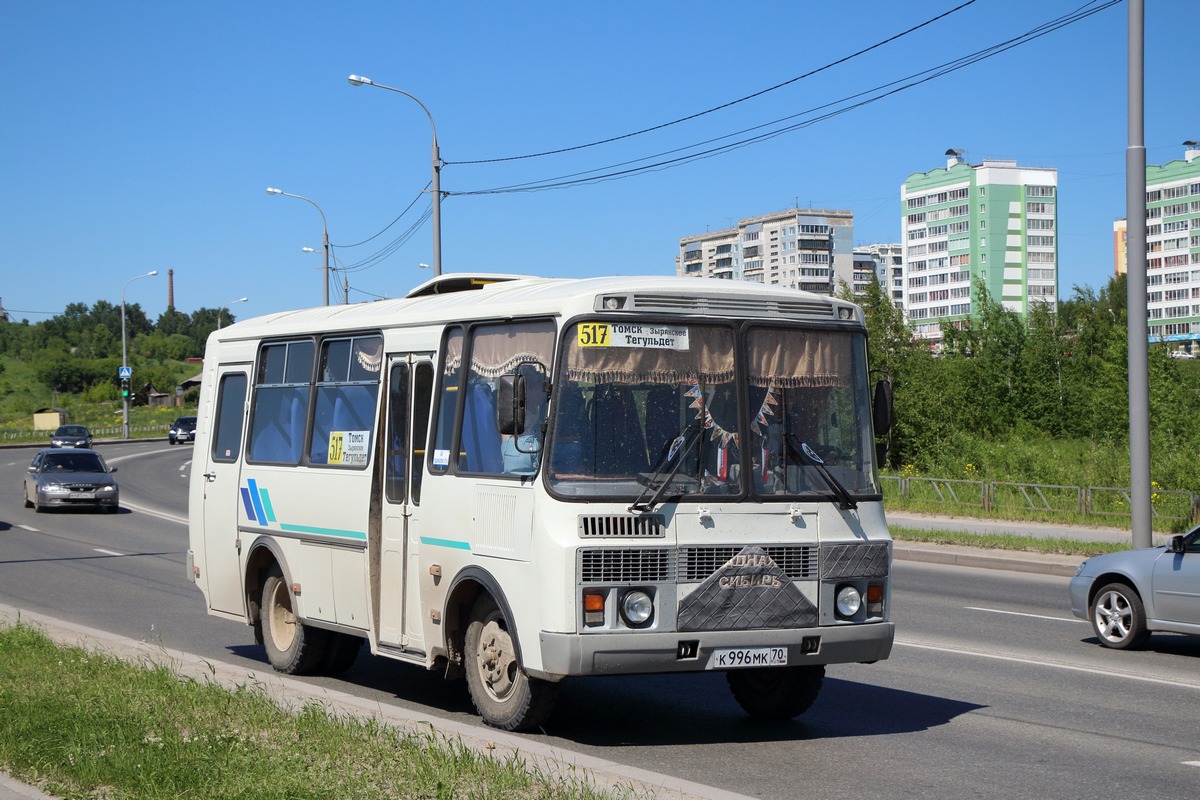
point(1119, 618)
point(25, 497)
point(503, 694)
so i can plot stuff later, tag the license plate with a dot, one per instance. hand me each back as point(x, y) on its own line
point(83, 495)
point(734, 657)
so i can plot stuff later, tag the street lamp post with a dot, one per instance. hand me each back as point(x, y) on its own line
point(227, 305)
point(358, 80)
point(324, 226)
point(124, 353)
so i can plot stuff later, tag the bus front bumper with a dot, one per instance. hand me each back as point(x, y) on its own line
point(647, 652)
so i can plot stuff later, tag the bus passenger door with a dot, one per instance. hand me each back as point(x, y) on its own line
point(222, 465)
point(410, 389)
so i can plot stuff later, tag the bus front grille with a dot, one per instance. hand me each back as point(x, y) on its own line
point(616, 565)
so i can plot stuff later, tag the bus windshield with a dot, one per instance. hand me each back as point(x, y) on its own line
point(695, 410)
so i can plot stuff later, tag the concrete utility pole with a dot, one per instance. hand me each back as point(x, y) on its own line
point(1135, 299)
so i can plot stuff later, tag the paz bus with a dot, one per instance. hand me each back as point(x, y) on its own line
point(517, 480)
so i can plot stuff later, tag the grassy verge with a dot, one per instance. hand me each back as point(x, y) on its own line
point(1006, 541)
point(85, 725)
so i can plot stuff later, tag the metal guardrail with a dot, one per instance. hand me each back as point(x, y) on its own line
point(1167, 505)
point(33, 437)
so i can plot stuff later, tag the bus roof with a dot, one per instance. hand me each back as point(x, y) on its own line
point(466, 296)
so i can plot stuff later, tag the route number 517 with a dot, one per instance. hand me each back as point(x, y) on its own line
point(593, 334)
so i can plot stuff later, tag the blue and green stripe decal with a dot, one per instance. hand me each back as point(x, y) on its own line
point(257, 502)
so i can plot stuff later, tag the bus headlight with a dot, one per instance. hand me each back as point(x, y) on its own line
point(636, 607)
point(849, 601)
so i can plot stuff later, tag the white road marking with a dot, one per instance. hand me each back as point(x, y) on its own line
point(1108, 673)
point(1019, 614)
point(154, 513)
point(29, 528)
point(107, 552)
point(1191, 763)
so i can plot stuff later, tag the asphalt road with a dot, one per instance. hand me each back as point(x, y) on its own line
point(993, 688)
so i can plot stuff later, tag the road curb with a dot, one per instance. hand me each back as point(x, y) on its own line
point(1014, 561)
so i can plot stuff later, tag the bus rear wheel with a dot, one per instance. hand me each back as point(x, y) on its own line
point(776, 692)
point(503, 694)
point(292, 647)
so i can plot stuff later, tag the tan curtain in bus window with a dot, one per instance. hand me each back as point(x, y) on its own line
point(797, 359)
point(498, 350)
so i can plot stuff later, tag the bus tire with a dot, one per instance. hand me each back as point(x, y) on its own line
point(503, 694)
point(340, 653)
point(293, 648)
point(776, 692)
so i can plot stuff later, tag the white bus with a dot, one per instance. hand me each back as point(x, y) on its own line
point(521, 480)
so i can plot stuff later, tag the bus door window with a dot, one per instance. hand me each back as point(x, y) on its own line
point(396, 463)
point(422, 400)
point(231, 405)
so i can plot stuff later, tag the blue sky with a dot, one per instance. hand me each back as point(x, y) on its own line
point(142, 135)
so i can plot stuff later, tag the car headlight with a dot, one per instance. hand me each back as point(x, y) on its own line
point(53, 487)
point(636, 607)
point(849, 601)
point(108, 489)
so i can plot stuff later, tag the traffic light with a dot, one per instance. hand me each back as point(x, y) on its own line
point(125, 388)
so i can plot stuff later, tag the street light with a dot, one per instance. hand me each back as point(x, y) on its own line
point(324, 226)
point(359, 80)
point(230, 303)
point(124, 355)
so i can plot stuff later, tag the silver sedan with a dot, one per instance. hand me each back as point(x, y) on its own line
point(70, 478)
point(1127, 595)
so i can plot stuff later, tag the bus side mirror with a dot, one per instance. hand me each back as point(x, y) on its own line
point(882, 407)
point(510, 404)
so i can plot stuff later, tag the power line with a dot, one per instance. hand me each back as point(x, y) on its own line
point(699, 114)
point(393, 222)
point(575, 179)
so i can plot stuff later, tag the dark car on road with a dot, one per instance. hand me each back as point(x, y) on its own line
point(71, 436)
point(69, 477)
point(182, 430)
point(1128, 594)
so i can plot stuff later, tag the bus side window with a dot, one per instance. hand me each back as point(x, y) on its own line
point(345, 402)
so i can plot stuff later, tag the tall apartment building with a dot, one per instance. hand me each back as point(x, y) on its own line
point(1173, 251)
point(887, 261)
point(994, 222)
point(809, 249)
point(1120, 248)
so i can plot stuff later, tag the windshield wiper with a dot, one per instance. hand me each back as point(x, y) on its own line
point(843, 496)
point(672, 451)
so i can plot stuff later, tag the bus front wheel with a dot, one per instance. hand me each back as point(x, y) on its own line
point(292, 647)
point(776, 692)
point(503, 694)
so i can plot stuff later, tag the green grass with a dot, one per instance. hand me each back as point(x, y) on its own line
point(84, 725)
point(1006, 541)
